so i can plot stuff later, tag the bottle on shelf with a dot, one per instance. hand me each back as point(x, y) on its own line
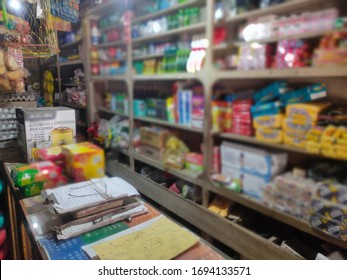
point(95, 34)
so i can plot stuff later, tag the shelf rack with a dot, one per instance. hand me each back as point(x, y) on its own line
point(230, 233)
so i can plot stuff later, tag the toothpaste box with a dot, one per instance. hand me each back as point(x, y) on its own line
point(251, 185)
point(254, 161)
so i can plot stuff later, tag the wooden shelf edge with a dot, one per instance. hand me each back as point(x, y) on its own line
point(105, 110)
point(172, 32)
point(165, 123)
point(239, 238)
point(275, 214)
point(176, 172)
point(166, 11)
point(274, 9)
point(283, 147)
point(305, 72)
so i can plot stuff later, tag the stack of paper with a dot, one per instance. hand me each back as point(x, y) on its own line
point(157, 239)
point(93, 204)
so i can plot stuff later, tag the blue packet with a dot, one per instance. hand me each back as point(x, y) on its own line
point(270, 93)
point(306, 94)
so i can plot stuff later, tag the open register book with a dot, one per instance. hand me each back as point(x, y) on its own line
point(93, 204)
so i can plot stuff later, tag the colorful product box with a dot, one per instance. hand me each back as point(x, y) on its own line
point(270, 135)
point(198, 102)
point(270, 93)
point(31, 179)
point(195, 158)
point(84, 161)
point(140, 108)
point(309, 112)
point(43, 128)
point(274, 121)
point(254, 161)
point(251, 185)
point(150, 152)
point(184, 107)
point(306, 94)
point(260, 108)
point(154, 136)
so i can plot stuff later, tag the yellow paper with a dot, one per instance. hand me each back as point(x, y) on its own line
point(162, 240)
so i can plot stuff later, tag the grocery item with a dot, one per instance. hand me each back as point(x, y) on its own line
point(306, 94)
point(84, 161)
point(251, 160)
point(44, 128)
point(270, 135)
point(270, 93)
point(271, 121)
point(174, 153)
point(32, 178)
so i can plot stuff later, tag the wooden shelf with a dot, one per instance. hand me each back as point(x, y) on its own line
point(239, 238)
point(148, 56)
point(114, 26)
point(111, 60)
point(163, 77)
point(254, 141)
point(108, 78)
point(286, 7)
point(305, 72)
point(105, 110)
point(165, 123)
point(184, 174)
point(275, 214)
point(187, 29)
point(172, 9)
point(69, 63)
point(308, 35)
point(110, 44)
point(74, 106)
point(73, 85)
point(71, 44)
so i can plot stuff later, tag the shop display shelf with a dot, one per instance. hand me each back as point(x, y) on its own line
point(172, 9)
point(69, 63)
point(148, 56)
point(275, 214)
point(239, 238)
point(283, 147)
point(108, 78)
point(285, 7)
point(105, 110)
point(187, 29)
point(188, 175)
point(74, 43)
point(165, 123)
point(163, 77)
point(304, 73)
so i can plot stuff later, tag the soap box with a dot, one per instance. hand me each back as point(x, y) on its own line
point(254, 161)
point(43, 128)
point(84, 161)
point(251, 185)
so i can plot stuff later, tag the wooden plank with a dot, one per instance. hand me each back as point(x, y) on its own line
point(184, 174)
point(233, 235)
point(187, 29)
point(277, 215)
point(254, 141)
point(169, 10)
point(285, 7)
point(302, 73)
point(166, 123)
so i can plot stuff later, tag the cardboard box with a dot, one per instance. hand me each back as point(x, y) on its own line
point(43, 128)
point(154, 136)
point(84, 161)
point(253, 161)
point(151, 152)
point(251, 185)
